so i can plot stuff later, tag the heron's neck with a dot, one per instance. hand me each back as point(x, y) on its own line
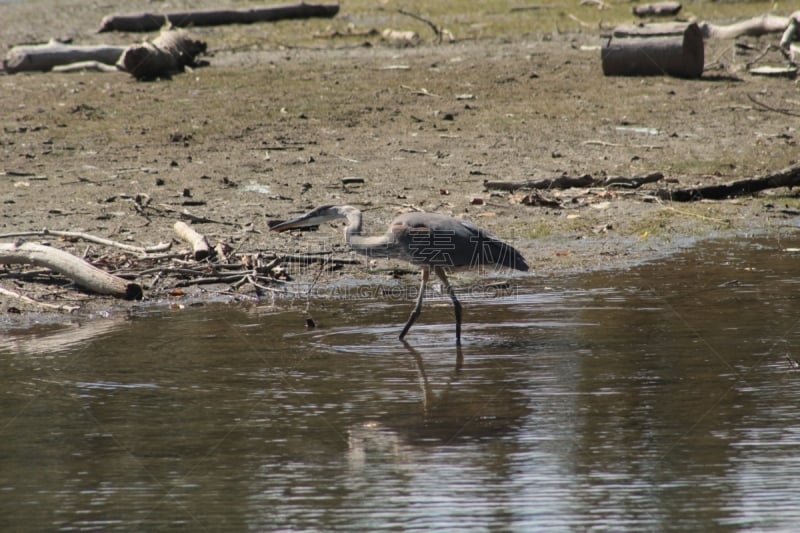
point(362, 244)
point(352, 232)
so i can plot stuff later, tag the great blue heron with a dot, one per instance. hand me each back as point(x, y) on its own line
point(429, 240)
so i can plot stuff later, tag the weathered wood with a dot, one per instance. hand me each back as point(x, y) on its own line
point(655, 53)
point(754, 27)
point(141, 22)
point(43, 57)
point(566, 182)
point(82, 273)
point(200, 246)
point(561, 182)
point(788, 177)
point(167, 54)
point(85, 66)
point(658, 9)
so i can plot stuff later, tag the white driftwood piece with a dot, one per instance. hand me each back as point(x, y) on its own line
point(214, 17)
point(200, 246)
point(754, 27)
point(655, 49)
point(43, 57)
point(167, 54)
point(82, 273)
point(86, 66)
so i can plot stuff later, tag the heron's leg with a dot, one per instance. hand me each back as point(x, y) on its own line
point(424, 275)
point(456, 304)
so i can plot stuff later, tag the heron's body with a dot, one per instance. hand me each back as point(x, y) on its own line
point(429, 240)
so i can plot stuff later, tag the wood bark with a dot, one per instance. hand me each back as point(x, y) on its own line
point(788, 177)
point(212, 17)
point(82, 273)
point(655, 51)
point(167, 54)
point(43, 57)
point(200, 246)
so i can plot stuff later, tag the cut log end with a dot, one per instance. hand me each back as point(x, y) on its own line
point(653, 54)
point(134, 292)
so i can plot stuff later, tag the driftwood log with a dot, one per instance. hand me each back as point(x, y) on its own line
point(200, 246)
point(754, 27)
point(167, 54)
point(214, 17)
point(567, 182)
point(82, 273)
point(43, 57)
point(656, 49)
point(788, 177)
point(658, 9)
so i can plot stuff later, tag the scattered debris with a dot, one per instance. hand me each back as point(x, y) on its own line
point(400, 37)
point(167, 54)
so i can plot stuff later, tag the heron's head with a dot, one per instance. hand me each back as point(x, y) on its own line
point(315, 217)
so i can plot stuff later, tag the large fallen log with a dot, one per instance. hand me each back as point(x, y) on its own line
point(214, 17)
point(788, 177)
point(167, 54)
point(654, 50)
point(43, 57)
point(82, 273)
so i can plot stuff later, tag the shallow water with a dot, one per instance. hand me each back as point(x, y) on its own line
point(659, 397)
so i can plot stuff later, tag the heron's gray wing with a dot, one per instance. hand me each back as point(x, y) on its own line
point(439, 240)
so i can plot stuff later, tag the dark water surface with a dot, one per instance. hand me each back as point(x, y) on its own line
point(664, 397)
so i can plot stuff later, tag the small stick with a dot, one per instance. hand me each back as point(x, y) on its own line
point(770, 108)
point(436, 29)
point(161, 247)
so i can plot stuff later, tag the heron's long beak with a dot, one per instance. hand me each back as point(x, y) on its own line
point(303, 221)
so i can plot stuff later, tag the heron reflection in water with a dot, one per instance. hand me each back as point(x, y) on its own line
point(432, 241)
